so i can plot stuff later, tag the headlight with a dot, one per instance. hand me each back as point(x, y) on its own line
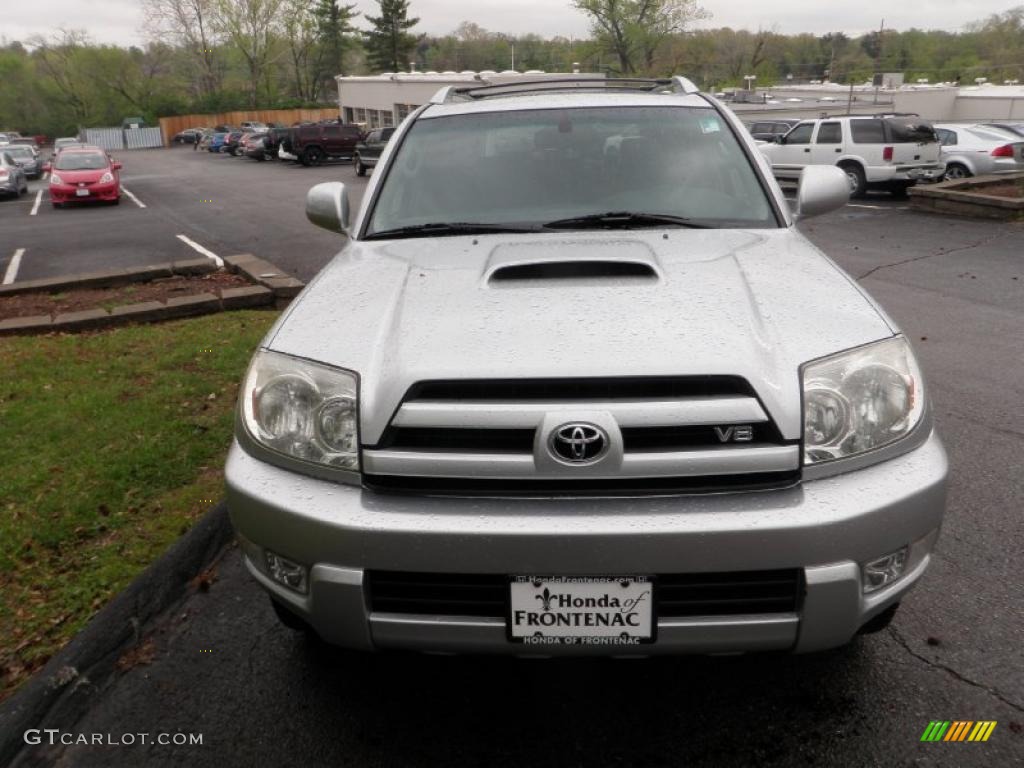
point(303, 410)
point(860, 400)
point(107, 178)
point(55, 179)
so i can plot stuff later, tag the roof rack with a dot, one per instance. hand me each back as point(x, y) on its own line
point(489, 90)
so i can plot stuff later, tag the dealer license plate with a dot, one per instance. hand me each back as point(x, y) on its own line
point(82, 192)
point(580, 610)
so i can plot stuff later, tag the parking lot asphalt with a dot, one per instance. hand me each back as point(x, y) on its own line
point(223, 204)
point(223, 667)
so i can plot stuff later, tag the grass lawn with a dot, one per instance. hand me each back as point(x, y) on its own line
point(111, 445)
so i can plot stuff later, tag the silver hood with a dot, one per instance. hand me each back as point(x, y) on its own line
point(755, 304)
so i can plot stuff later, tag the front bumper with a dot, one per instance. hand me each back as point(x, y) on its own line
point(828, 528)
point(67, 193)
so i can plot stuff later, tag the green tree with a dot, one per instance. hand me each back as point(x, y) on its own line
point(389, 43)
point(632, 30)
point(334, 32)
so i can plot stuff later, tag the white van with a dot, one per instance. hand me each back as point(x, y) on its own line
point(892, 153)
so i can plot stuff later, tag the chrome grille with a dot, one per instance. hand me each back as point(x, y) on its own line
point(490, 437)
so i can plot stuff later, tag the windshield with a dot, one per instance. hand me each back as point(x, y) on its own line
point(23, 153)
point(64, 142)
point(81, 161)
point(531, 168)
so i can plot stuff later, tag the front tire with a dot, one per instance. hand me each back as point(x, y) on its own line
point(360, 168)
point(313, 156)
point(958, 171)
point(289, 619)
point(855, 175)
point(899, 190)
point(879, 622)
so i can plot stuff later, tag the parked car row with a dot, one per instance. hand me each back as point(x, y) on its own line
point(310, 144)
point(891, 152)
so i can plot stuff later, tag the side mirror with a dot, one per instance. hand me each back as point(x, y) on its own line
point(117, 166)
point(823, 188)
point(327, 206)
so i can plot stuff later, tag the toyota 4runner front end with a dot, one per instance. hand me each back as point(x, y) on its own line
point(576, 385)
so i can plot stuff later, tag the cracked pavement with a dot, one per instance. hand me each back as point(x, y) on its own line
point(955, 651)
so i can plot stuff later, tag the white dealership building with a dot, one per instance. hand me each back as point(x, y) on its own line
point(380, 101)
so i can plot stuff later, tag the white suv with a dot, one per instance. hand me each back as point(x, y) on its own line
point(891, 153)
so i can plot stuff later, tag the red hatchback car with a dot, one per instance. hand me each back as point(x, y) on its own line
point(81, 175)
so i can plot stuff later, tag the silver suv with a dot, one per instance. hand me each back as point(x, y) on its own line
point(576, 384)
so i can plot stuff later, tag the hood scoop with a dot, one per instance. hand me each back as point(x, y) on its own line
point(559, 260)
point(576, 269)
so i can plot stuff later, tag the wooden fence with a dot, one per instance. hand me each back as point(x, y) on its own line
point(170, 126)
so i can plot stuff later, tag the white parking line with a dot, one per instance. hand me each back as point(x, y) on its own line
point(879, 207)
point(45, 176)
point(12, 268)
point(133, 197)
point(39, 199)
point(197, 247)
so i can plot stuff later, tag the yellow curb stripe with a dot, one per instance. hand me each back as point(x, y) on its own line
point(988, 731)
point(978, 728)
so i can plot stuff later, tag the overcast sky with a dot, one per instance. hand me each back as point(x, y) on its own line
point(119, 21)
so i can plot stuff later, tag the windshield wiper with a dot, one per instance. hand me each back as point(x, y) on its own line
point(625, 220)
point(442, 228)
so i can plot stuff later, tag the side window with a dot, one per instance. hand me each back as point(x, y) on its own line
point(947, 138)
point(867, 131)
point(373, 137)
point(830, 133)
point(761, 128)
point(386, 134)
point(351, 132)
point(801, 134)
point(782, 127)
point(332, 131)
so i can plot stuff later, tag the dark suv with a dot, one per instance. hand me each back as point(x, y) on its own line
point(313, 144)
point(368, 150)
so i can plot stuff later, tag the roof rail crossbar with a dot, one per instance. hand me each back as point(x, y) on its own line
point(486, 89)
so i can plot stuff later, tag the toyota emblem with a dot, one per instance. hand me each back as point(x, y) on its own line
point(578, 443)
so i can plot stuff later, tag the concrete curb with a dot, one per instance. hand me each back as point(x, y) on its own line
point(271, 288)
point(59, 694)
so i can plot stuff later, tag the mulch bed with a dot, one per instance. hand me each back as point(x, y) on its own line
point(77, 299)
point(1012, 190)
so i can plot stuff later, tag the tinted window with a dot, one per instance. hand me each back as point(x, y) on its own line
point(81, 161)
point(531, 167)
point(801, 134)
point(351, 131)
point(909, 131)
point(386, 134)
point(948, 138)
point(761, 128)
point(830, 133)
point(867, 131)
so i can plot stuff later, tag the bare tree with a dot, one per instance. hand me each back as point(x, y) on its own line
point(299, 25)
point(250, 25)
point(632, 30)
point(190, 23)
point(59, 61)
